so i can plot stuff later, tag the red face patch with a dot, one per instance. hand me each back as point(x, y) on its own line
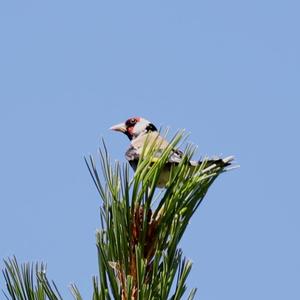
point(130, 123)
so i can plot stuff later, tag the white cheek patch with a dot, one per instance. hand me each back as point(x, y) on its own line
point(140, 127)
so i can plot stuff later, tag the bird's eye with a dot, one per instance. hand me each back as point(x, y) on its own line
point(131, 122)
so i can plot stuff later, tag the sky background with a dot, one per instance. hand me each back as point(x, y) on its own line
point(227, 71)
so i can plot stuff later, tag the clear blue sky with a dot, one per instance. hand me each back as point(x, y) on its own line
point(227, 71)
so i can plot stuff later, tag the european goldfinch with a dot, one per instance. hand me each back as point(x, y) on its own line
point(141, 131)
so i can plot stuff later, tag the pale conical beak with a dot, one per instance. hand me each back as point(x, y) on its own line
point(119, 127)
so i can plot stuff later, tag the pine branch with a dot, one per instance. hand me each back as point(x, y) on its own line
point(28, 282)
point(139, 257)
point(138, 245)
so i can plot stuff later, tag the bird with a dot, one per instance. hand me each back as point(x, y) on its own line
point(140, 131)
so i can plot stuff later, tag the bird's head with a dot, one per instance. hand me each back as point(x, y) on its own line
point(134, 127)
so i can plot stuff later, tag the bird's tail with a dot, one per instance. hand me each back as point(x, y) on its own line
point(214, 163)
